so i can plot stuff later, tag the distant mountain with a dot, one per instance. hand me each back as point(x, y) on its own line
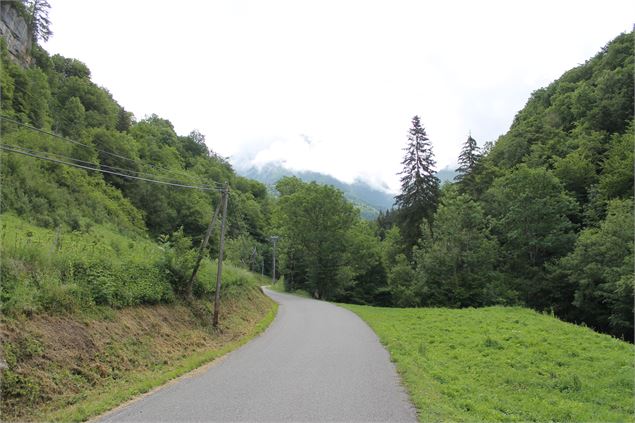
point(368, 199)
point(446, 174)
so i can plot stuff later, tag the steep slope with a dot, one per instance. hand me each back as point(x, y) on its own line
point(566, 239)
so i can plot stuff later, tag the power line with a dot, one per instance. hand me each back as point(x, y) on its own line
point(202, 188)
point(97, 149)
point(100, 165)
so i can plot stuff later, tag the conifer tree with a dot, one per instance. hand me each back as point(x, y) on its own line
point(419, 185)
point(468, 160)
point(39, 22)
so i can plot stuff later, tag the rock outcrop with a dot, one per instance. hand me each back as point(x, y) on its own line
point(15, 30)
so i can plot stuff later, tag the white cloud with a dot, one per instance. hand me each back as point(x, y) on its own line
point(254, 75)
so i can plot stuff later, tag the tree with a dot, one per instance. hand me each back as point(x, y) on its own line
point(455, 266)
point(314, 223)
point(468, 160)
point(530, 211)
point(419, 184)
point(289, 185)
point(39, 22)
point(401, 283)
point(193, 145)
point(601, 269)
point(73, 118)
point(364, 258)
point(243, 251)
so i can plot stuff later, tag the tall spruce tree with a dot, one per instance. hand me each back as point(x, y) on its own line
point(419, 185)
point(468, 160)
point(39, 22)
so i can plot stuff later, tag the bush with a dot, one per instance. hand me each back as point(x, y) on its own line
point(178, 260)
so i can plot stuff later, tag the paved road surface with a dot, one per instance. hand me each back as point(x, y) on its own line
point(316, 362)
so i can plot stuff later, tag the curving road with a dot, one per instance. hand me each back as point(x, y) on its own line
point(316, 362)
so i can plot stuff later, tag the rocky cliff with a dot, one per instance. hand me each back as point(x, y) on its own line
point(15, 30)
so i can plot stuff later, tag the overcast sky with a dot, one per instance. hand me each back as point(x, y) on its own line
point(331, 86)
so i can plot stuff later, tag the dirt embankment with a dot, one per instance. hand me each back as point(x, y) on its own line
point(57, 363)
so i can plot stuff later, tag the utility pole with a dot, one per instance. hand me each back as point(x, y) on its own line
point(219, 270)
point(252, 259)
point(201, 250)
point(274, 239)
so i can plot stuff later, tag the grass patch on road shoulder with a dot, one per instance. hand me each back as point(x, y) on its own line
point(505, 364)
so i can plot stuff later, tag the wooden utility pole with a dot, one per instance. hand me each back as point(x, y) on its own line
point(219, 270)
point(201, 250)
point(274, 239)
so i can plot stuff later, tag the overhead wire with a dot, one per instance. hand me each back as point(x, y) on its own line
point(106, 152)
point(100, 165)
point(95, 169)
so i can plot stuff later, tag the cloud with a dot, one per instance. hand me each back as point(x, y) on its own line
point(253, 76)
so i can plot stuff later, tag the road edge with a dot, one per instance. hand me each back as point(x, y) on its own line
point(203, 361)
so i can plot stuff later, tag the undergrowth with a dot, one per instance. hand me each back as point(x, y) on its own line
point(64, 271)
point(86, 313)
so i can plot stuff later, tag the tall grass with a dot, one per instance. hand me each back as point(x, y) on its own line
point(57, 270)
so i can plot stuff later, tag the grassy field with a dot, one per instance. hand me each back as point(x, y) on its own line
point(505, 364)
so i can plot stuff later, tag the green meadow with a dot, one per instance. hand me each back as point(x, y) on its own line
point(505, 364)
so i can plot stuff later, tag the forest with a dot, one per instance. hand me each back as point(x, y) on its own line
point(542, 217)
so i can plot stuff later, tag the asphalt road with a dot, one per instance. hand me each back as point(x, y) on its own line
point(316, 362)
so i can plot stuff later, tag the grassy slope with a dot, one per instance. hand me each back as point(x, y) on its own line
point(68, 357)
point(71, 367)
point(505, 364)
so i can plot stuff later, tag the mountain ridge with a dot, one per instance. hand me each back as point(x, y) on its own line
point(368, 199)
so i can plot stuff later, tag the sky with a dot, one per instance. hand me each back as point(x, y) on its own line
point(332, 86)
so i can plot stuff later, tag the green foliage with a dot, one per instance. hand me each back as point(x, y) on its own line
point(577, 173)
point(314, 222)
point(38, 19)
point(551, 179)
point(401, 282)
point(468, 161)
point(367, 274)
point(505, 364)
point(178, 260)
point(601, 269)
point(455, 266)
point(57, 94)
point(530, 211)
point(616, 179)
point(73, 118)
point(419, 185)
point(59, 271)
point(243, 252)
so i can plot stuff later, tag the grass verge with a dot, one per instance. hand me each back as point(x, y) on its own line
point(73, 367)
point(505, 364)
point(99, 403)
